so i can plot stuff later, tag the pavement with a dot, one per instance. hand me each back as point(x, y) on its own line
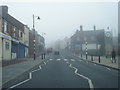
point(15, 61)
point(103, 61)
point(13, 69)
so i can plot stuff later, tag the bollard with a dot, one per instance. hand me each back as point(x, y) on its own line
point(86, 56)
point(99, 59)
point(81, 55)
point(91, 58)
point(34, 56)
point(42, 56)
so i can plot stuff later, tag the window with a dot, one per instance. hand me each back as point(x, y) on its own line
point(14, 32)
point(0, 24)
point(14, 29)
point(7, 45)
point(85, 38)
point(78, 39)
point(21, 34)
point(5, 26)
point(92, 38)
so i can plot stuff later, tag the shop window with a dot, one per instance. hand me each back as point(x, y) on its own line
point(21, 34)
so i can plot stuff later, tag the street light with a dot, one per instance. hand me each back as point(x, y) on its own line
point(34, 32)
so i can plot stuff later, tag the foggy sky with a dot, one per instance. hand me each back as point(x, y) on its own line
point(59, 20)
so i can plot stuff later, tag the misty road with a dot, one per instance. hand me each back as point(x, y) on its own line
point(67, 71)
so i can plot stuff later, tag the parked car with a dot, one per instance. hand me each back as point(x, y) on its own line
point(56, 52)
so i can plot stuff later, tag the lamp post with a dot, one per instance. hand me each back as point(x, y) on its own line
point(34, 33)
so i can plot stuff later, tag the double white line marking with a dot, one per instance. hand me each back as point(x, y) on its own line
point(76, 72)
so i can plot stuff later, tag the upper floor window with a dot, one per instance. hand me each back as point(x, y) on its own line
point(14, 31)
point(5, 26)
point(78, 39)
point(7, 45)
point(20, 34)
point(92, 38)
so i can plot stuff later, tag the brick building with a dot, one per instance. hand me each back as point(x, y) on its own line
point(90, 41)
point(39, 43)
point(12, 36)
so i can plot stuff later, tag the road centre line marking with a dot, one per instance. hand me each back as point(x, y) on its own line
point(89, 80)
point(65, 59)
point(72, 60)
point(58, 59)
point(50, 59)
point(30, 77)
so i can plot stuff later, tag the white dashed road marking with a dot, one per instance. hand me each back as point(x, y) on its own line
point(72, 60)
point(50, 59)
point(65, 59)
point(58, 59)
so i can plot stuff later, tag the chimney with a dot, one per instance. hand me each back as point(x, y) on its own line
point(81, 28)
point(77, 31)
point(94, 27)
point(4, 9)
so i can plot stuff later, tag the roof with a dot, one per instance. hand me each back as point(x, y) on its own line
point(89, 36)
point(11, 19)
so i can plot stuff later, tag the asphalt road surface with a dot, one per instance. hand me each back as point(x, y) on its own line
point(67, 71)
